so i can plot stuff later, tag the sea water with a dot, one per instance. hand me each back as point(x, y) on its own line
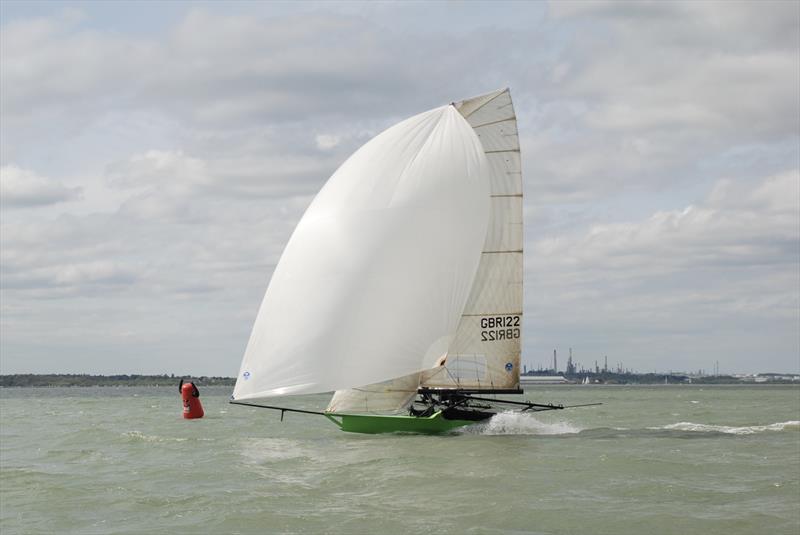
point(659, 459)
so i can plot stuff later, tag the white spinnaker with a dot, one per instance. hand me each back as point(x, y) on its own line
point(485, 354)
point(474, 361)
point(374, 279)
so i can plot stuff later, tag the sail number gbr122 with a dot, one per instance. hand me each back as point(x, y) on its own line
point(496, 328)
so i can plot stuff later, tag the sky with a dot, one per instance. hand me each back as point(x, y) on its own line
point(155, 158)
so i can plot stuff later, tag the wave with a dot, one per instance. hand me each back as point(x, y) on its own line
point(730, 430)
point(518, 423)
point(138, 436)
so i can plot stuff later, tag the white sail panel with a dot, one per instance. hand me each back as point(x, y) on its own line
point(505, 224)
point(376, 275)
point(506, 172)
point(391, 397)
point(492, 369)
point(469, 106)
point(498, 286)
point(497, 108)
point(485, 353)
point(499, 136)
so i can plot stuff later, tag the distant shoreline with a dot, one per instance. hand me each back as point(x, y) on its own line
point(80, 380)
point(57, 380)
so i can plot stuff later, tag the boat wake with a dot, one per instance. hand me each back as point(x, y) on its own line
point(517, 423)
point(729, 430)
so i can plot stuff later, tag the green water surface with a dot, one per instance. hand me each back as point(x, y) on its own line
point(651, 460)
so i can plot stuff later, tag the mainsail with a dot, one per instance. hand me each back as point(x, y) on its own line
point(484, 355)
point(373, 283)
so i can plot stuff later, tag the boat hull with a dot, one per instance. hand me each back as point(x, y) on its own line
point(378, 423)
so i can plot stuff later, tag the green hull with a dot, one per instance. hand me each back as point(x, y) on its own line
point(374, 423)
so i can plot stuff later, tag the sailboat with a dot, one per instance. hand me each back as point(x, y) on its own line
point(400, 289)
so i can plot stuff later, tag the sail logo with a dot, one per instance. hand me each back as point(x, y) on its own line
point(246, 375)
point(509, 367)
point(497, 328)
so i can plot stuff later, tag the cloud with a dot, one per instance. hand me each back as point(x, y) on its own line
point(171, 184)
point(754, 225)
point(23, 188)
point(645, 94)
point(227, 70)
point(160, 169)
point(48, 63)
point(656, 139)
point(327, 141)
point(720, 269)
point(743, 26)
point(69, 277)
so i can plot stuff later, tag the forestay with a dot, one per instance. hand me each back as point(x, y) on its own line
point(374, 280)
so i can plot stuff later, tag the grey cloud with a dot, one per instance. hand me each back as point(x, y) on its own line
point(72, 276)
point(222, 70)
point(693, 273)
point(704, 64)
point(647, 94)
point(46, 63)
point(743, 26)
point(161, 181)
point(198, 153)
point(21, 188)
point(754, 226)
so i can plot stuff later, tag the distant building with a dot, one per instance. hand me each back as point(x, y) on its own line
point(570, 364)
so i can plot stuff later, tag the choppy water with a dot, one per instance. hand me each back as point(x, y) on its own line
point(666, 459)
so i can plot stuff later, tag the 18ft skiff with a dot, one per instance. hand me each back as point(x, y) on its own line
point(401, 287)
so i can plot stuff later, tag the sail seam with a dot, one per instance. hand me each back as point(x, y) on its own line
point(493, 314)
point(507, 195)
point(496, 151)
point(512, 118)
point(502, 252)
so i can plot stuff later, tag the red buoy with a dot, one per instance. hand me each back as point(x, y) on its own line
point(192, 408)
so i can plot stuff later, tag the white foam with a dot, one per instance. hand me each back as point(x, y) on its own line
point(744, 430)
point(518, 423)
point(138, 436)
